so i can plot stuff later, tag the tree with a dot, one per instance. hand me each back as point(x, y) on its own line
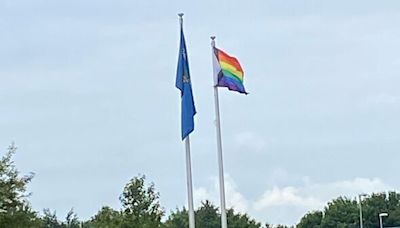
point(378, 203)
point(281, 226)
point(106, 218)
point(15, 210)
point(71, 220)
point(241, 220)
point(341, 212)
point(311, 220)
point(207, 215)
point(140, 205)
point(177, 219)
point(49, 220)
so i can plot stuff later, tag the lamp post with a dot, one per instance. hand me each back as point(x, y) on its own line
point(380, 218)
point(359, 200)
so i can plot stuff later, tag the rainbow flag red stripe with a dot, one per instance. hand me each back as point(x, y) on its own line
point(228, 72)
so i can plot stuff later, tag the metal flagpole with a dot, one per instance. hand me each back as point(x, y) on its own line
point(224, 223)
point(189, 183)
point(188, 166)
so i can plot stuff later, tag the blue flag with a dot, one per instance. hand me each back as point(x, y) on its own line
point(184, 84)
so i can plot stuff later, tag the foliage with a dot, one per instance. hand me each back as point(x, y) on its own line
point(378, 203)
point(23, 217)
point(343, 212)
point(241, 220)
point(141, 209)
point(49, 220)
point(106, 218)
point(177, 219)
point(140, 205)
point(208, 216)
point(311, 220)
point(71, 220)
point(15, 210)
point(12, 186)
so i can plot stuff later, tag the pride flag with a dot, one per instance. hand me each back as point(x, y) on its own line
point(227, 71)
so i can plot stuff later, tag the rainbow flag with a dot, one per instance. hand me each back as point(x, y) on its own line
point(227, 71)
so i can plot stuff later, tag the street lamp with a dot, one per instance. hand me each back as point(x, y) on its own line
point(380, 218)
point(359, 200)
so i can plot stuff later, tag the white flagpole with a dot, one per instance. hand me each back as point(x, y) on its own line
point(189, 183)
point(188, 166)
point(224, 223)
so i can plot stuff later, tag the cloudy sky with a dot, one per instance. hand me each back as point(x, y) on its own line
point(87, 93)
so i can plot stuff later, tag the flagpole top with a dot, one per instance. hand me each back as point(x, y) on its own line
point(212, 41)
point(181, 18)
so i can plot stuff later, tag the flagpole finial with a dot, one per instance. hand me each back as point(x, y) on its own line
point(212, 41)
point(181, 18)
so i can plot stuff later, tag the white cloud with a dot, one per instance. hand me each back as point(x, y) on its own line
point(201, 194)
point(287, 204)
point(234, 199)
point(287, 196)
point(295, 201)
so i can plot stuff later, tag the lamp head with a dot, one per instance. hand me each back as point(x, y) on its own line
point(383, 214)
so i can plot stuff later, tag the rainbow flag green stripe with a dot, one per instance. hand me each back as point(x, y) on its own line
point(231, 73)
point(228, 74)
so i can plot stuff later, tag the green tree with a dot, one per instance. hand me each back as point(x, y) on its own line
point(207, 215)
point(341, 212)
point(140, 205)
point(49, 219)
point(15, 210)
point(241, 220)
point(106, 218)
point(281, 226)
point(71, 220)
point(311, 220)
point(378, 203)
point(177, 219)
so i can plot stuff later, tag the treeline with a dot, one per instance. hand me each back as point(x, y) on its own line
point(344, 212)
point(140, 208)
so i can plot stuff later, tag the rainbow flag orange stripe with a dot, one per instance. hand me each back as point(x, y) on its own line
point(228, 72)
